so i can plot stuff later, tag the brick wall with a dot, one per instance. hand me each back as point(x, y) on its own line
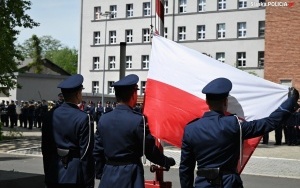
point(282, 43)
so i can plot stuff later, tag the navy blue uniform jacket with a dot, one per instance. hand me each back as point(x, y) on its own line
point(213, 141)
point(67, 127)
point(119, 138)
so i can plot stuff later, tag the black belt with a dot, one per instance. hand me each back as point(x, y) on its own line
point(120, 162)
point(211, 172)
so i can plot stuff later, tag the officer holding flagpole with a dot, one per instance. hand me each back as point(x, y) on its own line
point(214, 141)
point(121, 139)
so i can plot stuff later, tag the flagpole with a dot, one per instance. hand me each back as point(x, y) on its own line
point(159, 171)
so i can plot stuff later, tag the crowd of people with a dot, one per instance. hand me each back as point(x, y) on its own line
point(29, 114)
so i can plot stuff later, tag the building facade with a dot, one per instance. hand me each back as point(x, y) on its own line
point(229, 31)
point(283, 44)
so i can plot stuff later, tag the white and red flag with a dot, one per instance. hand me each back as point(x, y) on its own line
point(175, 80)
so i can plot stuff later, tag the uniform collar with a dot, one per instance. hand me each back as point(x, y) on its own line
point(70, 104)
point(123, 107)
point(213, 113)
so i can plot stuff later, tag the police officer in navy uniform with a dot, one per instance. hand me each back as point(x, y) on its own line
point(119, 141)
point(68, 140)
point(213, 141)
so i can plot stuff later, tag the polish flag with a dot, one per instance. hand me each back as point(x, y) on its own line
point(173, 97)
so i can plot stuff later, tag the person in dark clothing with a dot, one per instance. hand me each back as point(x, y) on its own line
point(213, 141)
point(119, 141)
point(68, 140)
point(12, 114)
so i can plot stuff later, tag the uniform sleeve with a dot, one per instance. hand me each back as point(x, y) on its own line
point(86, 143)
point(152, 152)
point(259, 127)
point(187, 163)
point(98, 154)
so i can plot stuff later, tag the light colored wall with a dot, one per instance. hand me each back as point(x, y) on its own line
point(231, 45)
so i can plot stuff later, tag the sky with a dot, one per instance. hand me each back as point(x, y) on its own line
point(58, 18)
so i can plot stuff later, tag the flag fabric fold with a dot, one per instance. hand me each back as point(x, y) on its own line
point(175, 80)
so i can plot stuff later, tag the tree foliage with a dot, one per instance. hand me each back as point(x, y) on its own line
point(36, 55)
point(12, 16)
point(65, 58)
point(47, 43)
point(53, 50)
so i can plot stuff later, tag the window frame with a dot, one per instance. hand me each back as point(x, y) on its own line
point(112, 64)
point(129, 36)
point(97, 39)
point(113, 37)
point(222, 4)
point(201, 33)
point(145, 61)
point(96, 64)
point(220, 56)
point(128, 62)
point(146, 9)
point(181, 33)
point(242, 60)
point(221, 33)
point(241, 31)
point(110, 88)
point(95, 87)
point(97, 13)
point(261, 28)
point(202, 5)
point(182, 5)
point(146, 35)
point(129, 10)
point(113, 9)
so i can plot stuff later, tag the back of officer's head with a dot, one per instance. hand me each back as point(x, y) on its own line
point(126, 88)
point(217, 92)
point(71, 88)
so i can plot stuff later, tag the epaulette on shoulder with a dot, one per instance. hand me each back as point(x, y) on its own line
point(193, 120)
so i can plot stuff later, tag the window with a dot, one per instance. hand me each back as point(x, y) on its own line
point(241, 59)
point(112, 37)
point(166, 32)
point(113, 10)
point(261, 59)
point(182, 6)
point(97, 15)
point(97, 38)
point(261, 29)
point(221, 4)
point(181, 33)
point(111, 90)
point(129, 10)
point(201, 32)
point(129, 36)
point(242, 29)
point(95, 87)
point(147, 9)
point(96, 63)
point(146, 35)
point(242, 4)
point(128, 62)
point(286, 83)
point(166, 6)
point(201, 5)
point(145, 61)
point(221, 31)
point(143, 87)
point(112, 62)
point(220, 56)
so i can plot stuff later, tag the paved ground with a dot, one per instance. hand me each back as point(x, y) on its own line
point(267, 160)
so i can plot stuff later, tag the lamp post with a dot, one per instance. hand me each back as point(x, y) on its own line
point(106, 14)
